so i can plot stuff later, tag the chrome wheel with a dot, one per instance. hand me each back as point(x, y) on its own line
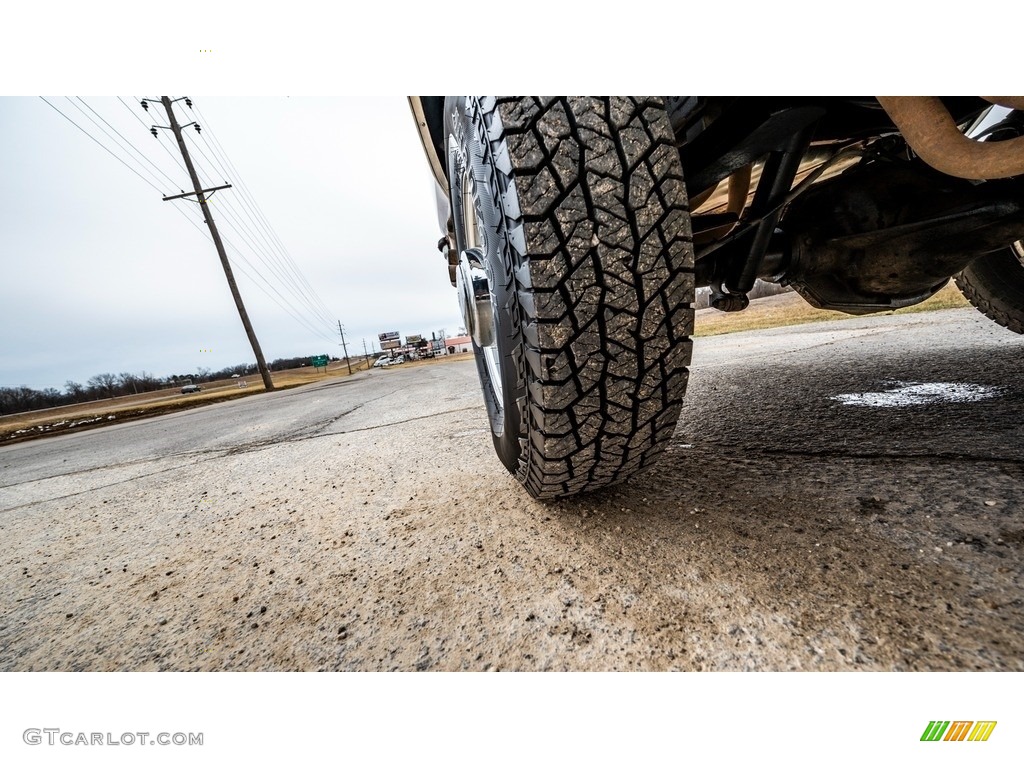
point(475, 296)
point(475, 281)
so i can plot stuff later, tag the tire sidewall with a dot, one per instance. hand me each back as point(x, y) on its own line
point(994, 284)
point(468, 145)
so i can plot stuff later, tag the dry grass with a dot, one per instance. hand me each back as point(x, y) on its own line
point(791, 309)
point(74, 418)
point(771, 312)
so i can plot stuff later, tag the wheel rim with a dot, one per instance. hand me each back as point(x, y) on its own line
point(476, 298)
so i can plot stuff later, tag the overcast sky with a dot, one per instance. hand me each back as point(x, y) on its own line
point(100, 275)
point(97, 274)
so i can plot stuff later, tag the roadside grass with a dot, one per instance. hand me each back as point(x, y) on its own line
point(771, 312)
point(74, 418)
point(81, 416)
point(791, 309)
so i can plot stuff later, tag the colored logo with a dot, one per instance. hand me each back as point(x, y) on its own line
point(958, 730)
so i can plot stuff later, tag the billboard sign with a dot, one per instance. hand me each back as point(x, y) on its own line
point(414, 339)
point(391, 344)
point(388, 336)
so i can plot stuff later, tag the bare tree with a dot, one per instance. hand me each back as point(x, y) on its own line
point(8, 400)
point(50, 397)
point(104, 384)
point(74, 390)
point(148, 382)
point(129, 383)
point(17, 399)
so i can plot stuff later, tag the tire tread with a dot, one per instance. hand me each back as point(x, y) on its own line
point(994, 284)
point(604, 283)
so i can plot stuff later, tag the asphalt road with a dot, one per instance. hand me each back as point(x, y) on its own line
point(837, 496)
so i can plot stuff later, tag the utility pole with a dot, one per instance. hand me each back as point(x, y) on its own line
point(366, 355)
point(200, 194)
point(349, 362)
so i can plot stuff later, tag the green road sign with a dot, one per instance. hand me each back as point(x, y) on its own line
point(320, 361)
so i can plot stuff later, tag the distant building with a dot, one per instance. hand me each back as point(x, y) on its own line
point(455, 344)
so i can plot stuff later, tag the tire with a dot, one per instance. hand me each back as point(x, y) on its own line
point(994, 284)
point(572, 223)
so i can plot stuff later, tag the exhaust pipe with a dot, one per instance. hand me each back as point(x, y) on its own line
point(930, 131)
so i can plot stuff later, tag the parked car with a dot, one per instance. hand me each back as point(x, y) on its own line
point(190, 388)
point(577, 228)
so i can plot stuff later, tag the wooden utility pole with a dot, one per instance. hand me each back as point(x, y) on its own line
point(200, 193)
point(344, 347)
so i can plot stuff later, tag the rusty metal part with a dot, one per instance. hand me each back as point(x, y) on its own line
point(728, 302)
point(702, 197)
point(742, 136)
point(930, 131)
point(891, 234)
point(815, 157)
point(739, 186)
point(1010, 102)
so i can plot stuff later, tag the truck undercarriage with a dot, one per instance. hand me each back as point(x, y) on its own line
point(576, 231)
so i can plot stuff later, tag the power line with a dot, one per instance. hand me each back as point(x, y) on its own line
point(245, 272)
point(246, 198)
point(259, 232)
point(241, 256)
point(177, 160)
point(134, 148)
point(238, 228)
point(197, 148)
point(270, 285)
point(229, 217)
point(217, 144)
point(305, 295)
point(122, 162)
point(257, 235)
point(105, 132)
point(200, 194)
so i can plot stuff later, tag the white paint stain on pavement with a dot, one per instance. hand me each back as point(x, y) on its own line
point(909, 393)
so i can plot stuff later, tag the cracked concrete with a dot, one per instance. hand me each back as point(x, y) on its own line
point(370, 527)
